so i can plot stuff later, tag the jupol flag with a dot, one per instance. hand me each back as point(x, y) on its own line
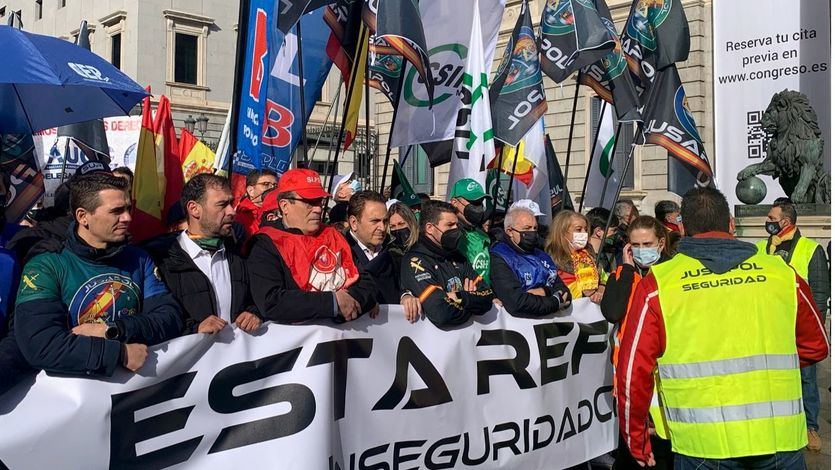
point(517, 96)
point(599, 191)
point(656, 35)
point(573, 36)
point(473, 146)
point(197, 157)
point(609, 77)
point(147, 198)
point(670, 124)
point(558, 189)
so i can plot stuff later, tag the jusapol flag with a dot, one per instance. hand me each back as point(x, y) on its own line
point(670, 124)
point(656, 36)
point(599, 191)
point(473, 146)
point(573, 36)
point(517, 97)
point(19, 161)
point(609, 77)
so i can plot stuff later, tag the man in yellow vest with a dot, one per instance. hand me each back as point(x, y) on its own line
point(723, 331)
point(807, 257)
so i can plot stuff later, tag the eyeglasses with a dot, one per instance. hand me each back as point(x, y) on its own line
point(268, 185)
point(307, 202)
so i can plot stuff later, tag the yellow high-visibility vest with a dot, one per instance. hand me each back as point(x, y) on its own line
point(800, 256)
point(729, 375)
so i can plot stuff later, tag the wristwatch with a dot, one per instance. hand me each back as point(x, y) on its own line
point(112, 331)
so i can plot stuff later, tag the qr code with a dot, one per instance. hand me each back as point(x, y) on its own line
point(757, 139)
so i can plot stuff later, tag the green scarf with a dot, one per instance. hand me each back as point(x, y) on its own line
point(211, 244)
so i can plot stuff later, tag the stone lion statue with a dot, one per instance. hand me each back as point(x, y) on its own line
point(795, 149)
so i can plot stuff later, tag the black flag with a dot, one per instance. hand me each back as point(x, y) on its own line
point(572, 37)
point(656, 35)
point(560, 199)
point(609, 77)
point(517, 97)
point(90, 133)
point(384, 71)
point(669, 123)
point(289, 12)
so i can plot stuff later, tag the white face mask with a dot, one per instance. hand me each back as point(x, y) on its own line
point(579, 240)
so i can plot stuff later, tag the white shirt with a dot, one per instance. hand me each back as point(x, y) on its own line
point(369, 253)
point(216, 268)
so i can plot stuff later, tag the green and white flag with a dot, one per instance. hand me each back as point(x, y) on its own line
point(599, 192)
point(473, 146)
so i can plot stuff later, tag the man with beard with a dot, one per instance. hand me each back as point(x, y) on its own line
point(302, 269)
point(523, 276)
point(248, 212)
point(467, 198)
point(449, 289)
point(200, 265)
point(96, 303)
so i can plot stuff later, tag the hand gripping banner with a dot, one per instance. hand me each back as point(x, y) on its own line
point(500, 392)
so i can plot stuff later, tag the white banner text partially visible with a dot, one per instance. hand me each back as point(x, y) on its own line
point(501, 392)
point(762, 47)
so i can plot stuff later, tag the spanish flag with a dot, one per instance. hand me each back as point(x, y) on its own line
point(147, 197)
point(354, 98)
point(196, 156)
point(169, 165)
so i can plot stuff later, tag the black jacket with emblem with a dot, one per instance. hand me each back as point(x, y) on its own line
point(428, 272)
point(382, 268)
point(191, 288)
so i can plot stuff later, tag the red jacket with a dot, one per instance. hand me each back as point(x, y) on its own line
point(644, 333)
point(248, 215)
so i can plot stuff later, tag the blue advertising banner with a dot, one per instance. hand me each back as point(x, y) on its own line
point(269, 122)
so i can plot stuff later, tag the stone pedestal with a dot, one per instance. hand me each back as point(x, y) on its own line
point(813, 220)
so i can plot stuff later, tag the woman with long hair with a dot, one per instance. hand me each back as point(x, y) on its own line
point(648, 246)
point(568, 245)
point(403, 233)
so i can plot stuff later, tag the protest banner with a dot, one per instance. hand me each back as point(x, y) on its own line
point(787, 47)
point(500, 392)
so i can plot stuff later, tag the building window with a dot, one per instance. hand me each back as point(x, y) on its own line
point(63, 3)
point(116, 50)
point(624, 144)
point(185, 58)
point(417, 170)
point(3, 12)
point(39, 9)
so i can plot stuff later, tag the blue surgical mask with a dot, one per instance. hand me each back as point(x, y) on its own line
point(356, 186)
point(646, 256)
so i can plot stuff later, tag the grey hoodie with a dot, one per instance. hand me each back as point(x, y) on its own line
point(720, 255)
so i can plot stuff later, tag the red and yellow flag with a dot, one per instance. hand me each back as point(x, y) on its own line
point(168, 160)
point(147, 197)
point(196, 156)
point(524, 167)
point(354, 98)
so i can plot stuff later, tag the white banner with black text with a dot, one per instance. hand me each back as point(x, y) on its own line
point(499, 392)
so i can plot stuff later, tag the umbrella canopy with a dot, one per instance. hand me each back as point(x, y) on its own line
point(47, 82)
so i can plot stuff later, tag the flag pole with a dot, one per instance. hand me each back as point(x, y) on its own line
point(611, 166)
point(327, 116)
point(593, 144)
point(333, 126)
point(571, 134)
point(302, 106)
point(400, 81)
point(612, 209)
point(512, 177)
point(367, 119)
point(351, 80)
point(240, 51)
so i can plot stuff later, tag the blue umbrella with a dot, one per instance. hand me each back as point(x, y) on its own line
point(47, 82)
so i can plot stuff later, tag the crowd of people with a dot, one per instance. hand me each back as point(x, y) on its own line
point(79, 298)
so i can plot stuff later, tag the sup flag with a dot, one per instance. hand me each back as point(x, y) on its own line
point(609, 77)
point(558, 189)
point(517, 97)
point(573, 36)
point(669, 123)
point(602, 187)
point(399, 24)
point(473, 145)
point(656, 36)
point(19, 160)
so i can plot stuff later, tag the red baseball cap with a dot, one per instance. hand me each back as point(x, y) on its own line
point(306, 183)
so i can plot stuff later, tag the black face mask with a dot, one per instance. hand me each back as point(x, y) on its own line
point(474, 214)
point(450, 239)
point(528, 240)
point(401, 236)
point(773, 228)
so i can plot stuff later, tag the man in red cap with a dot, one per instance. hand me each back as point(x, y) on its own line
point(301, 269)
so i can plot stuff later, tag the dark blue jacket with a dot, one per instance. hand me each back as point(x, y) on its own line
point(81, 284)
